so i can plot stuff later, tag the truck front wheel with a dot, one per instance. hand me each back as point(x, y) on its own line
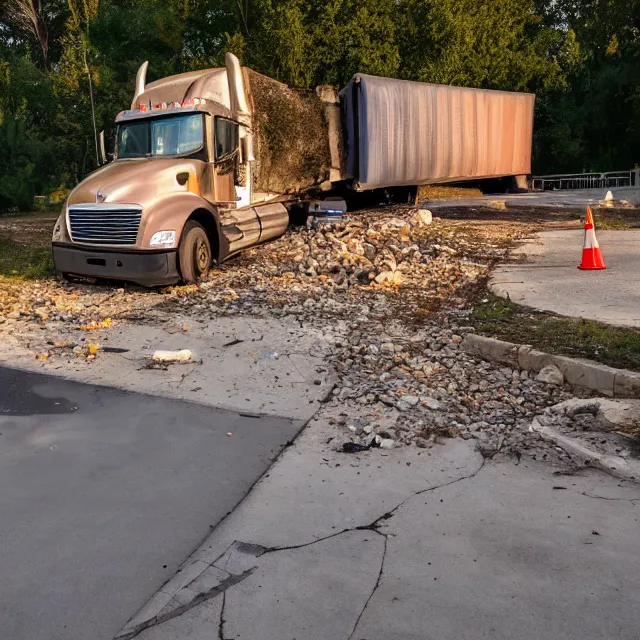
point(194, 253)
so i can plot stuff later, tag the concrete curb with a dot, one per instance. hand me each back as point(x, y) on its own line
point(614, 465)
point(618, 383)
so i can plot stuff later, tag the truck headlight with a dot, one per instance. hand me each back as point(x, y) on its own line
point(163, 239)
point(57, 229)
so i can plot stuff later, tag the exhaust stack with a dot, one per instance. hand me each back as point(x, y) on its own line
point(237, 92)
point(141, 80)
point(240, 104)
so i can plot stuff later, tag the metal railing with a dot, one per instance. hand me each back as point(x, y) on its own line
point(585, 180)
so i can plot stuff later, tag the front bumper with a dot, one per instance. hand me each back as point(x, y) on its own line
point(148, 268)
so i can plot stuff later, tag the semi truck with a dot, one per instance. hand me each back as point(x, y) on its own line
point(208, 163)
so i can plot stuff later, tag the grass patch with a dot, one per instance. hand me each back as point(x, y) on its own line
point(616, 223)
point(436, 192)
point(24, 262)
point(36, 213)
point(614, 346)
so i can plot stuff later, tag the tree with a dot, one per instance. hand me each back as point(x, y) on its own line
point(591, 123)
point(305, 43)
point(34, 21)
point(28, 17)
point(496, 44)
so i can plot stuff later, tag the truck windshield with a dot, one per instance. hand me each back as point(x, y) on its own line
point(167, 136)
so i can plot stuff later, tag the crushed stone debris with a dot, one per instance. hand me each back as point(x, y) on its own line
point(390, 290)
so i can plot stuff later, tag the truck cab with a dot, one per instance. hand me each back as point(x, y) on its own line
point(178, 195)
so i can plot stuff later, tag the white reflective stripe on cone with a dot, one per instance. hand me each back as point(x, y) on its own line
point(590, 240)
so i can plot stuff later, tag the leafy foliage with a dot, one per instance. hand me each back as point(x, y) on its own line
point(592, 122)
point(581, 57)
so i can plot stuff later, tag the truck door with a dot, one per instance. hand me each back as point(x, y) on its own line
point(240, 227)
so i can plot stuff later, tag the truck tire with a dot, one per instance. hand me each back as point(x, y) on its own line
point(194, 253)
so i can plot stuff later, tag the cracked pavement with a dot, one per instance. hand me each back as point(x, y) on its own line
point(418, 544)
point(425, 541)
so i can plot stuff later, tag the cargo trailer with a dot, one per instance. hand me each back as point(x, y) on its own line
point(402, 133)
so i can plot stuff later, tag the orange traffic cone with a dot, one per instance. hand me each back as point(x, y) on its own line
point(591, 254)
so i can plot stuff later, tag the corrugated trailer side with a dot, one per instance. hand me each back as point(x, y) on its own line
point(401, 133)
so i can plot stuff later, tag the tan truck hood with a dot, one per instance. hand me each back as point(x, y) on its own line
point(139, 181)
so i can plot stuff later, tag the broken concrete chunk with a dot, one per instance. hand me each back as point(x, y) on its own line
point(423, 217)
point(184, 355)
point(551, 375)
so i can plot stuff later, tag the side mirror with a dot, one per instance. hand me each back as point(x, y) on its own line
point(103, 155)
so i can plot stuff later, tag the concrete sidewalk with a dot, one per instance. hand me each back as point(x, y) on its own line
point(246, 364)
point(548, 277)
point(419, 544)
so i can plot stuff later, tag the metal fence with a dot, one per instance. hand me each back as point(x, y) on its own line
point(585, 180)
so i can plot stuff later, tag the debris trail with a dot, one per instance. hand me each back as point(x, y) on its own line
point(390, 291)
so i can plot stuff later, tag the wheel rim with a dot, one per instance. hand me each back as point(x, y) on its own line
point(202, 255)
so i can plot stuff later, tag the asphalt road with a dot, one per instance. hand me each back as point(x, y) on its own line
point(105, 493)
point(568, 199)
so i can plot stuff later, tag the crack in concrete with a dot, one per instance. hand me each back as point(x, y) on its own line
point(235, 579)
point(390, 514)
point(589, 495)
point(375, 586)
point(178, 611)
point(222, 620)
point(376, 523)
point(373, 526)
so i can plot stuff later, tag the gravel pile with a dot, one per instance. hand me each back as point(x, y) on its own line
point(391, 260)
point(392, 293)
point(418, 387)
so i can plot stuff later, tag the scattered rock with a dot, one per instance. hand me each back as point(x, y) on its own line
point(550, 375)
point(431, 403)
point(423, 217)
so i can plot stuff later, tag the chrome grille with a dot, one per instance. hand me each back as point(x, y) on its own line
point(101, 224)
